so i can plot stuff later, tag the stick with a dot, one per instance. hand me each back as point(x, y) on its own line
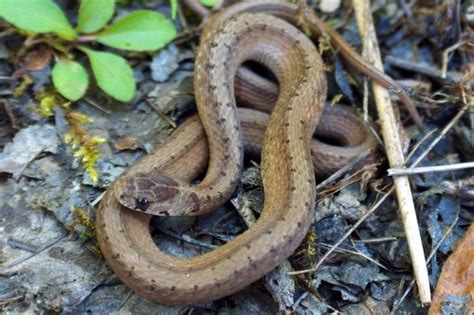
point(394, 152)
point(429, 169)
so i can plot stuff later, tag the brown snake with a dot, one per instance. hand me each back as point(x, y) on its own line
point(287, 169)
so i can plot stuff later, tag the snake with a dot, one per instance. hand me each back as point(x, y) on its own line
point(214, 142)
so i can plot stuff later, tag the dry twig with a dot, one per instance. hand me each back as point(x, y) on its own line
point(394, 152)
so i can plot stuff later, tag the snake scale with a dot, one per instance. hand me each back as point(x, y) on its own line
point(216, 140)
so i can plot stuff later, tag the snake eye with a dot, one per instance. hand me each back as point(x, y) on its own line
point(142, 204)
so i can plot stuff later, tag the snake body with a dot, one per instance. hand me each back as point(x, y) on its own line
point(287, 167)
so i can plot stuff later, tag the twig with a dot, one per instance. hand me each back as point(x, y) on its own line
point(377, 240)
point(346, 235)
point(349, 166)
point(15, 124)
point(429, 169)
point(446, 52)
point(187, 239)
point(356, 252)
point(6, 270)
point(424, 69)
point(97, 106)
point(443, 132)
point(394, 152)
point(161, 114)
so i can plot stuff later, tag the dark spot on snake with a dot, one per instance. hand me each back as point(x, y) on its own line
point(287, 140)
point(208, 197)
point(291, 157)
point(107, 238)
point(249, 259)
point(116, 256)
point(122, 231)
point(263, 27)
point(308, 67)
point(295, 94)
point(273, 249)
point(248, 246)
point(213, 268)
point(253, 265)
point(153, 280)
point(130, 274)
point(229, 257)
point(223, 173)
point(228, 104)
point(236, 272)
point(226, 157)
point(164, 213)
point(213, 44)
point(210, 66)
point(173, 288)
point(103, 225)
point(301, 138)
point(217, 284)
point(226, 140)
point(142, 204)
point(172, 157)
point(211, 88)
point(292, 170)
point(297, 41)
point(300, 224)
point(302, 122)
point(289, 108)
point(196, 203)
point(268, 231)
point(293, 188)
point(196, 287)
point(152, 288)
point(287, 124)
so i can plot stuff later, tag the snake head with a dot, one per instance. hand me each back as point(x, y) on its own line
point(157, 194)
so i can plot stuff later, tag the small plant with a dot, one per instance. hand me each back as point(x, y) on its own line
point(142, 30)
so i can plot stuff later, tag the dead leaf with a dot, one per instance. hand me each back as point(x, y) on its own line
point(457, 276)
point(127, 143)
point(37, 59)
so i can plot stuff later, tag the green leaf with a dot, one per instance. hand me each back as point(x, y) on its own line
point(113, 74)
point(94, 14)
point(209, 3)
point(70, 79)
point(139, 31)
point(37, 16)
